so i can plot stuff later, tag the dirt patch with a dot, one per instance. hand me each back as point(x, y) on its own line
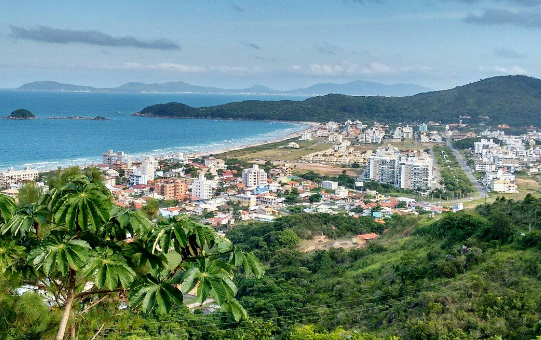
point(323, 169)
point(324, 243)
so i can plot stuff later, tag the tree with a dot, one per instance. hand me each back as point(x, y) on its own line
point(315, 198)
point(73, 242)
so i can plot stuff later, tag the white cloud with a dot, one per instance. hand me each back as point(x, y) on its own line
point(514, 69)
point(345, 68)
point(166, 66)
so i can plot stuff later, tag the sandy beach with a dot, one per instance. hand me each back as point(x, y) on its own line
point(307, 126)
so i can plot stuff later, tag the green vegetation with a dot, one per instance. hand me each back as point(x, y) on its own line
point(498, 98)
point(71, 241)
point(453, 178)
point(471, 275)
point(21, 114)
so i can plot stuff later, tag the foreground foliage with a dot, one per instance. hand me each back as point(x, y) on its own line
point(72, 243)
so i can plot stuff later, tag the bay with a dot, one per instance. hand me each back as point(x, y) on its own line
point(48, 143)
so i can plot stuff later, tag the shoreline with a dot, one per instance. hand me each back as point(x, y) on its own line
point(54, 165)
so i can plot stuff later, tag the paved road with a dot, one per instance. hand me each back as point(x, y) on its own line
point(481, 190)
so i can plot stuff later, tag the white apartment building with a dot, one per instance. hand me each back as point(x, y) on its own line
point(110, 157)
point(329, 185)
point(16, 176)
point(416, 173)
point(409, 171)
point(201, 188)
point(254, 177)
point(503, 186)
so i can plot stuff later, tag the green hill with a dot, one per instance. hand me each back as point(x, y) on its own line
point(512, 100)
point(21, 114)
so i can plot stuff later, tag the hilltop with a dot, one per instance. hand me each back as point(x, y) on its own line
point(513, 100)
point(21, 114)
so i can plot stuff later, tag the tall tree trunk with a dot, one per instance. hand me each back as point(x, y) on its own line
point(67, 307)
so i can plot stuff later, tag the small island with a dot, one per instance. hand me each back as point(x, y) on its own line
point(21, 114)
point(80, 118)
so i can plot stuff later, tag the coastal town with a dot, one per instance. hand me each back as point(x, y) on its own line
point(378, 171)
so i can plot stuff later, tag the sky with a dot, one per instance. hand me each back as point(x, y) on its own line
point(282, 44)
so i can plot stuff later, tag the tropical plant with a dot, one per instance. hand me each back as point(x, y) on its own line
point(84, 250)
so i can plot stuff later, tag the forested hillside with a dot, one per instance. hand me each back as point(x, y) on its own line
point(513, 100)
point(470, 275)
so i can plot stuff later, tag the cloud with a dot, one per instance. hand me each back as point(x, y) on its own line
point(524, 3)
point(506, 17)
point(91, 37)
point(513, 69)
point(237, 8)
point(165, 66)
point(252, 45)
point(343, 69)
point(181, 68)
point(508, 53)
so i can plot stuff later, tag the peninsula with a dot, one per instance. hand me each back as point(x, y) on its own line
point(493, 100)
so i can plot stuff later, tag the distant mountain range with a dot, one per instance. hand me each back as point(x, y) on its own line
point(512, 100)
point(354, 88)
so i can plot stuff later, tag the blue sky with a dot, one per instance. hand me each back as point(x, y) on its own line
point(281, 44)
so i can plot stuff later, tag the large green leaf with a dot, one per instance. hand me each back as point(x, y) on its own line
point(169, 235)
point(59, 254)
point(8, 208)
point(159, 295)
point(109, 270)
point(81, 205)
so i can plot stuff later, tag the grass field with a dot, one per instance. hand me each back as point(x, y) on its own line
point(278, 151)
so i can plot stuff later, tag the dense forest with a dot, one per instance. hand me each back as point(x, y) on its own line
point(470, 275)
point(491, 101)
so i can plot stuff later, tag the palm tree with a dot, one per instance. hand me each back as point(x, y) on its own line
point(85, 244)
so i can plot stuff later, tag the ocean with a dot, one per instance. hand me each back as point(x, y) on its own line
point(49, 143)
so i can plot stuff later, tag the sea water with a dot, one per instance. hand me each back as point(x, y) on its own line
point(49, 143)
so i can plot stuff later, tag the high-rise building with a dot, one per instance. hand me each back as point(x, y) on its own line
point(201, 188)
point(254, 177)
point(405, 170)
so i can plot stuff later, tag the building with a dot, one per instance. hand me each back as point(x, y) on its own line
point(216, 163)
point(503, 186)
point(405, 170)
point(17, 176)
point(171, 188)
point(201, 188)
point(110, 157)
point(416, 173)
point(306, 135)
point(254, 177)
point(269, 200)
point(330, 185)
point(245, 200)
point(383, 165)
point(341, 192)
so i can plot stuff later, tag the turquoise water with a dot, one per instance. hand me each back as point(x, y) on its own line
point(49, 143)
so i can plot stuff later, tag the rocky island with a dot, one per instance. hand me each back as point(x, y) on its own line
point(79, 118)
point(21, 114)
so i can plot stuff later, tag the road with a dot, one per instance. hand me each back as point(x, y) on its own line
point(481, 190)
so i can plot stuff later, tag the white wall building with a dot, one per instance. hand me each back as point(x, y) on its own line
point(330, 185)
point(17, 176)
point(254, 177)
point(201, 188)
